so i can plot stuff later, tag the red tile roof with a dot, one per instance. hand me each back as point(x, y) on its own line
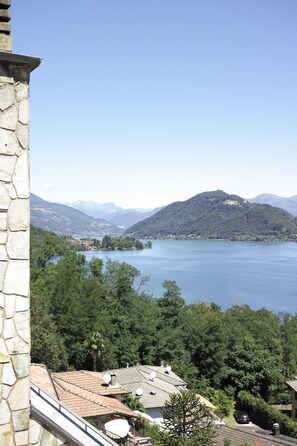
point(91, 381)
point(82, 392)
point(86, 403)
point(40, 376)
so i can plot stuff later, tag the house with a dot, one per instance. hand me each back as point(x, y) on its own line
point(86, 395)
point(293, 386)
point(152, 385)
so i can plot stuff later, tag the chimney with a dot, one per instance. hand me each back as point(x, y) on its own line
point(5, 35)
point(14, 238)
point(113, 381)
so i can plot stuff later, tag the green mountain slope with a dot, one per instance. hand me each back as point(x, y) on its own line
point(65, 220)
point(217, 215)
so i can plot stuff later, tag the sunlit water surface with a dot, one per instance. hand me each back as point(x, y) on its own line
point(259, 274)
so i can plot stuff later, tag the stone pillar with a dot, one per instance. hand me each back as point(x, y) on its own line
point(14, 245)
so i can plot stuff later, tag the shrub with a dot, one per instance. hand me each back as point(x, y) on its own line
point(264, 415)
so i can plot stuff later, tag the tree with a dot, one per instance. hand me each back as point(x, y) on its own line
point(96, 267)
point(252, 368)
point(107, 242)
point(120, 277)
point(261, 324)
point(186, 422)
point(206, 340)
point(47, 347)
point(172, 324)
point(67, 306)
point(172, 303)
point(133, 402)
point(289, 343)
point(95, 346)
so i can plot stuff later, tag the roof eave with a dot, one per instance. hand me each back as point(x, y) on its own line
point(20, 59)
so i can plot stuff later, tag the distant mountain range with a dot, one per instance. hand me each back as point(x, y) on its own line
point(95, 210)
point(207, 215)
point(65, 220)
point(123, 218)
point(288, 204)
point(217, 215)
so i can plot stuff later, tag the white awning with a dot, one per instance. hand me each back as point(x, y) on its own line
point(119, 427)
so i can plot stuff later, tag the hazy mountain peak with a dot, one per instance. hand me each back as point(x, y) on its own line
point(288, 204)
point(123, 218)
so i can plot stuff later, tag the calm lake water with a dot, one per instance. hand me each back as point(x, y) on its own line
point(227, 273)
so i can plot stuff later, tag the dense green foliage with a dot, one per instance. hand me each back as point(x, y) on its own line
point(96, 316)
point(44, 245)
point(265, 415)
point(109, 243)
point(217, 215)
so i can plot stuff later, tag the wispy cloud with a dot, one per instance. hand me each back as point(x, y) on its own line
point(48, 186)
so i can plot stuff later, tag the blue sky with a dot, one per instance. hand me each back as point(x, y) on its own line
point(146, 102)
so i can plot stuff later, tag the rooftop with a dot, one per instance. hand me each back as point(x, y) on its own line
point(39, 375)
point(156, 390)
point(240, 436)
point(91, 381)
point(293, 384)
point(83, 392)
point(86, 403)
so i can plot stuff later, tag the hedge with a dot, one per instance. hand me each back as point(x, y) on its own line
point(264, 415)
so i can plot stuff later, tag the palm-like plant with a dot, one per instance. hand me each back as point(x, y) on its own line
point(95, 346)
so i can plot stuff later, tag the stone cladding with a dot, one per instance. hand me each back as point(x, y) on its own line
point(14, 255)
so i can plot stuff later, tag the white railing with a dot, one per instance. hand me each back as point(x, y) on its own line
point(97, 436)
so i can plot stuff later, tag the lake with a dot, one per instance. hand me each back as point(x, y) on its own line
point(259, 274)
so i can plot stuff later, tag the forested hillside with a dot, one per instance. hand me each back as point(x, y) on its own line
point(64, 220)
point(75, 302)
point(217, 215)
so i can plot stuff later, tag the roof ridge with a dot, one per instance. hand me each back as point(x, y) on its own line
point(157, 387)
point(156, 369)
point(61, 388)
point(169, 379)
point(79, 386)
point(90, 372)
